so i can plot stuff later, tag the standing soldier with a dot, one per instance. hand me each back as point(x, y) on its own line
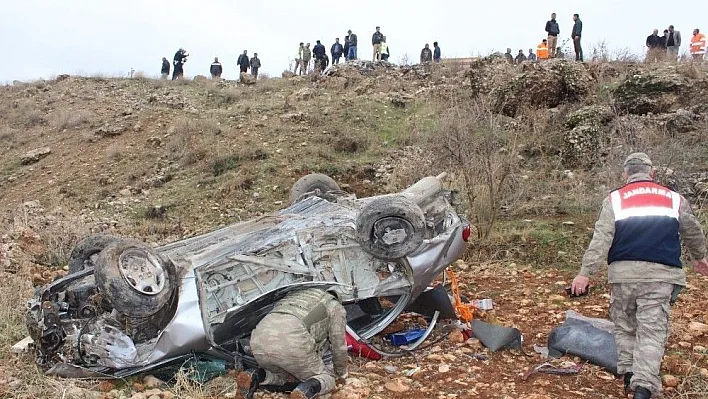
point(376, 40)
point(306, 57)
point(291, 341)
point(553, 31)
point(298, 60)
point(216, 69)
point(255, 64)
point(698, 45)
point(165, 71)
point(638, 233)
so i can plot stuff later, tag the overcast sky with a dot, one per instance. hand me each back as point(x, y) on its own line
point(42, 38)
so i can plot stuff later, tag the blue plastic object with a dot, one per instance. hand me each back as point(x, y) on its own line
point(407, 337)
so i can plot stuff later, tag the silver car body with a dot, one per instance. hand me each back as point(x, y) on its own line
point(231, 277)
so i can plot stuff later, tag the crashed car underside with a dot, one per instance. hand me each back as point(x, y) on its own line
point(125, 308)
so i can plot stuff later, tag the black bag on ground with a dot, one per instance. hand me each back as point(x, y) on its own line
point(496, 337)
point(581, 338)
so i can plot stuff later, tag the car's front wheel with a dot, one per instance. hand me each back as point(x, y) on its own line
point(313, 182)
point(134, 278)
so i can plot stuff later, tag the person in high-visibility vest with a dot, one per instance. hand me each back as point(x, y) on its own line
point(698, 45)
point(542, 50)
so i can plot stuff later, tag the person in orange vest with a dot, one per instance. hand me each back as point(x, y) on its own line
point(542, 50)
point(698, 45)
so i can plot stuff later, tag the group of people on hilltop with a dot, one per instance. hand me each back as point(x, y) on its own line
point(427, 55)
point(348, 50)
point(548, 48)
point(215, 69)
point(667, 46)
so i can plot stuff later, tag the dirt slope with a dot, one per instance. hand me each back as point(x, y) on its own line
point(162, 160)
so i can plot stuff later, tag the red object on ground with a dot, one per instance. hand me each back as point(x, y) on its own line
point(361, 349)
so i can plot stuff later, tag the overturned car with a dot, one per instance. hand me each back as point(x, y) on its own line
point(126, 308)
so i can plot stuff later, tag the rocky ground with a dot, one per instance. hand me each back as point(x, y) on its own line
point(162, 161)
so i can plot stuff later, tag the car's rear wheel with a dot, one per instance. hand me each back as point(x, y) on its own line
point(390, 227)
point(312, 183)
point(85, 253)
point(134, 278)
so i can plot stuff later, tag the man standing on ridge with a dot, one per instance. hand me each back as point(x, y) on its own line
point(306, 57)
point(656, 47)
point(346, 48)
point(553, 31)
point(520, 57)
point(319, 53)
point(243, 62)
point(542, 50)
point(385, 52)
point(673, 43)
point(509, 57)
point(179, 59)
point(215, 70)
point(165, 70)
point(298, 58)
point(531, 56)
point(337, 50)
point(376, 40)
point(352, 45)
point(436, 52)
point(576, 34)
point(698, 45)
point(255, 64)
point(639, 234)
point(426, 55)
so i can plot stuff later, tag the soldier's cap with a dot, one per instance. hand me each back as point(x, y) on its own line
point(638, 158)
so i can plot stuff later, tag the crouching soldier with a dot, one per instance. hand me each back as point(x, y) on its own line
point(290, 342)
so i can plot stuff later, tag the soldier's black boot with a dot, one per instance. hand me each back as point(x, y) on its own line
point(248, 382)
point(627, 382)
point(642, 393)
point(307, 389)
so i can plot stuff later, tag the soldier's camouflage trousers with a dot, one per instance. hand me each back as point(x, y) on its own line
point(281, 345)
point(640, 312)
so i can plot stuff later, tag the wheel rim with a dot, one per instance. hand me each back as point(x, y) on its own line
point(142, 270)
point(392, 231)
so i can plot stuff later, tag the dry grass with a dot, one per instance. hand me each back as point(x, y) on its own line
point(187, 137)
point(70, 119)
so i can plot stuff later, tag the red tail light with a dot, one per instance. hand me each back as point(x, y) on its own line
point(466, 233)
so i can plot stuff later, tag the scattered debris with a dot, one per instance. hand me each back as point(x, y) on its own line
point(35, 155)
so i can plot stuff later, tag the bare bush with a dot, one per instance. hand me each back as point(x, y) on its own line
point(186, 137)
point(470, 141)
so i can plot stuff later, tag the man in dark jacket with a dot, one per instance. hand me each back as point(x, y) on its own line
point(436, 52)
point(255, 64)
point(216, 69)
point(656, 47)
point(553, 31)
point(336, 51)
point(426, 55)
point(243, 62)
point(165, 71)
point(352, 45)
point(521, 57)
point(376, 40)
point(179, 59)
point(576, 34)
point(319, 53)
point(346, 48)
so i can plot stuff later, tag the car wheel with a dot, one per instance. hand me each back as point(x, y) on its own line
point(390, 227)
point(86, 251)
point(310, 183)
point(134, 278)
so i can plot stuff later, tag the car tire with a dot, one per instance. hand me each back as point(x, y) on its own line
point(310, 183)
point(85, 252)
point(390, 227)
point(135, 279)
